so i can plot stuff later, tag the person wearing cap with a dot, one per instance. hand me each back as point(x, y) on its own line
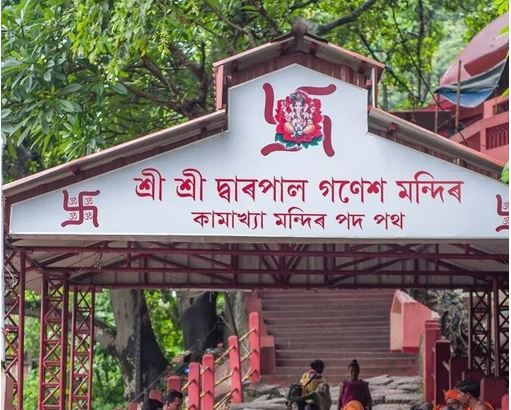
point(451, 401)
point(468, 395)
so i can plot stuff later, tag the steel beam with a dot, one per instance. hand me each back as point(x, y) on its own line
point(270, 252)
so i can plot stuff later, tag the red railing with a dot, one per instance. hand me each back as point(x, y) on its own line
point(442, 371)
point(200, 386)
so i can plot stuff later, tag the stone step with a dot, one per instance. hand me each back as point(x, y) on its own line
point(328, 292)
point(328, 355)
point(334, 376)
point(345, 361)
point(340, 328)
point(345, 338)
point(339, 347)
point(326, 323)
point(328, 312)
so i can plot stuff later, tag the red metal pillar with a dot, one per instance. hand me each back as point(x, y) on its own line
point(14, 323)
point(174, 383)
point(479, 343)
point(441, 374)
point(254, 343)
point(82, 349)
point(235, 364)
point(53, 343)
point(501, 328)
point(208, 382)
point(194, 386)
point(431, 335)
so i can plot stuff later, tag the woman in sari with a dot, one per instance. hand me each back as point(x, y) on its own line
point(354, 393)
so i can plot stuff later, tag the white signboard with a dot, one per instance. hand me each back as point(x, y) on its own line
point(297, 161)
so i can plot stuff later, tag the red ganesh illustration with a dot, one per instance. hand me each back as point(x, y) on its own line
point(300, 123)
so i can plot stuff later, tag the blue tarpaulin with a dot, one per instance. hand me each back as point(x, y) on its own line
point(477, 89)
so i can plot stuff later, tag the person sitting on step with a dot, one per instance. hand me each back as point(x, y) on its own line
point(315, 392)
point(468, 395)
point(354, 393)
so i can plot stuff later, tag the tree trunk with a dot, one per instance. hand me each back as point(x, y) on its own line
point(199, 321)
point(127, 306)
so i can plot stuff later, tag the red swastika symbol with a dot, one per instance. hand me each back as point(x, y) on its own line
point(82, 209)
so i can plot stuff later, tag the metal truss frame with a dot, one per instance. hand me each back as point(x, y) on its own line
point(501, 328)
point(53, 343)
point(336, 265)
point(224, 265)
point(82, 349)
point(480, 331)
point(14, 322)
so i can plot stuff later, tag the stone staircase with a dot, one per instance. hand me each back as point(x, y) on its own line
point(335, 326)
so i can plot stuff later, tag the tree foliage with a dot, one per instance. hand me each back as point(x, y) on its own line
point(79, 76)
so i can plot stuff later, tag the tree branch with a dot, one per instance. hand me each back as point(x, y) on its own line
point(155, 70)
point(325, 28)
point(151, 97)
point(183, 59)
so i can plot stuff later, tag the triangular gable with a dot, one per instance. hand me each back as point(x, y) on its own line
point(333, 181)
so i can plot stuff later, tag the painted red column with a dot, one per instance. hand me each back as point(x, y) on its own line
point(431, 335)
point(505, 402)
point(441, 375)
point(457, 365)
point(194, 386)
point(235, 364)
point(174, 383)
point(208, 382)
point(254, 342)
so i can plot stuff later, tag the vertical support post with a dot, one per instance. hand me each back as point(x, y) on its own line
point(53, 343)
point(496, 334)
point(479, 346)
point(82, 349)
point(194, 386)
point(14, 322)
point(431, 335)
point(374, 88)
point(254, 344)
point(208, 382)
point(458, 94)
point(437, 102)
point(501, 327)
point(235, 364)
point(174, 383)
point(441, 375)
